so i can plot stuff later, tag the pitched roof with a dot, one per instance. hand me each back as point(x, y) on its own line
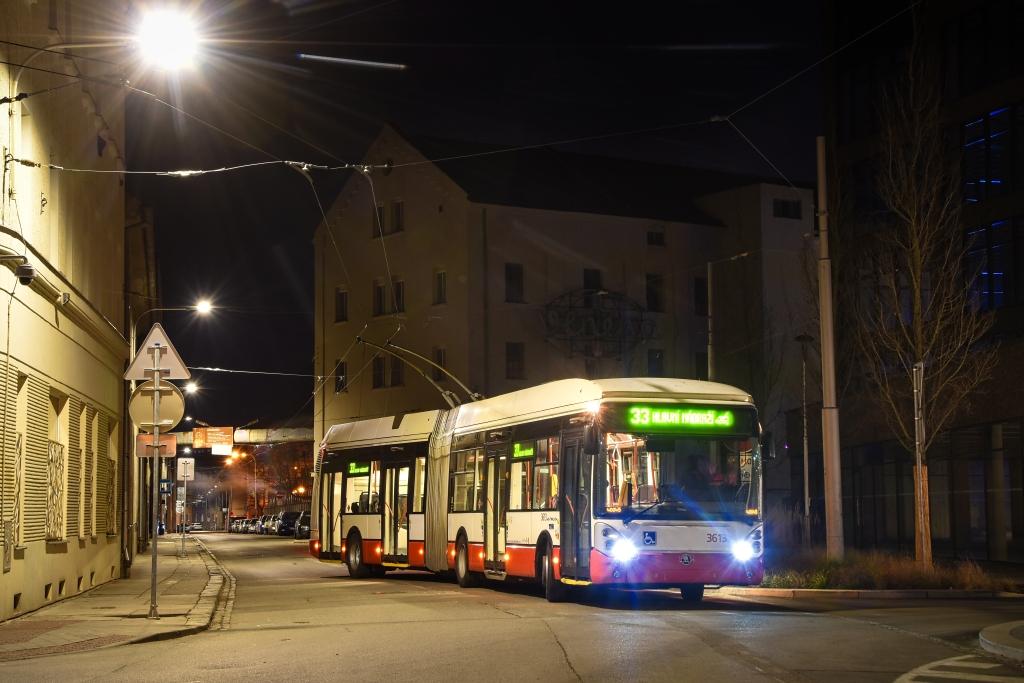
point(549, 178)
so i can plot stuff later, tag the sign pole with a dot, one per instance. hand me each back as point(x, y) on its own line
point(157, 351)
point(184, 502)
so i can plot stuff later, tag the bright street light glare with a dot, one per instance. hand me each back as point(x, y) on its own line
point(167, 39)
point(187, 449)
point(204, 306)
point(191, 388)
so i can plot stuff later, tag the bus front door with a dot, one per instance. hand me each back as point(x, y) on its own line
point(395, 512)
point(495, 521)
point(574, 509)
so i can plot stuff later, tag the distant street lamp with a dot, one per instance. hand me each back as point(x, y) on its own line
point(191, 388)
point(167, 39)
point(804, 340)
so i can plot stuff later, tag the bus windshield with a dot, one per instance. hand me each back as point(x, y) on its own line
point(677, 478)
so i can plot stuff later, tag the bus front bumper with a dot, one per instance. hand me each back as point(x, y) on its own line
point(675, 569)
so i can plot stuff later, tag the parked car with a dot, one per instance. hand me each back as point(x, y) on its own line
point(302, 525)
point(270, 528)
point(286, 522)
point(261, 526)
point(250, 525)
point(196, 526)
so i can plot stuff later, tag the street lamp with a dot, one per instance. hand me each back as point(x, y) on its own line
point(804, 340)
point(167, 39)
point(241, 455)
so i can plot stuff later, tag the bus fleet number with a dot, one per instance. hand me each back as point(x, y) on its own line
point(717, 538)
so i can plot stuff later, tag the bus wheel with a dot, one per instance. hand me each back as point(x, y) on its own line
point(554, 590)
point(357, 569)
point(692, 592)
point(466, 578)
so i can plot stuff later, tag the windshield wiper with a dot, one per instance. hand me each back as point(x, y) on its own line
point(627, 520)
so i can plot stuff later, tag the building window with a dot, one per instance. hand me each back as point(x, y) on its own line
point(399, 292)
point(340, 305)
point(787, 208)
point(440, 358)
point(378, 227)
point(514, 283)
point(397, 216)
point(995, 260)
point(655, 292)
point(379, 298)
point(700, 365)
point(440, 287)
point(397, 371)
point(378, 372)
point(993, 153)
point(340, 376)
point(656, 237)
point(655, 363)
point(515, 360)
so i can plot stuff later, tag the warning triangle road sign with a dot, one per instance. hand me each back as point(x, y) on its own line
point(157, 343)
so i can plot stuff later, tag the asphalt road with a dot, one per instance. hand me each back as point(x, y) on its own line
point(294, 618)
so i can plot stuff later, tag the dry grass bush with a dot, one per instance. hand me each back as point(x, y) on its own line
point(878, 570)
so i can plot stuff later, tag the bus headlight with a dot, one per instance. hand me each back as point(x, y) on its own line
point(742, 550)
point(623, 550)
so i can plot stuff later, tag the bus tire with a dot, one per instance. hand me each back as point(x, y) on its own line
point(554, 590)
point(692, 592)
point(466, 578)
point(357, 569)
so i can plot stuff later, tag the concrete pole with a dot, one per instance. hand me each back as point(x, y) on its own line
point(834, 545)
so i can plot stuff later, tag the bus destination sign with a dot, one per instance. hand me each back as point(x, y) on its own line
point(359, 468)
point(678, 418)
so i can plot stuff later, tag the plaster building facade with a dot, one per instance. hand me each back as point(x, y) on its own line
point(63, 348)
point(976, 466)
point(519, 268)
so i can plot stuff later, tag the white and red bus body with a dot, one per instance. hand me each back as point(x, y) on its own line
point(634, 482)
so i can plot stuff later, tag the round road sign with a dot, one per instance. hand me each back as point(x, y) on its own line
point(172, 406)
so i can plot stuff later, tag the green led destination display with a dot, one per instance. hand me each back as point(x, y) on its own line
point(678, 418)
point(359, 468)
point(522, 449)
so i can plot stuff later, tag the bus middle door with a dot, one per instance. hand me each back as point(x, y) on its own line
point(574, 508)
point(495, 511)
point(395, 511)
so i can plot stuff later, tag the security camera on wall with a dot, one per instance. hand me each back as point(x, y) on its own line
point(26, 273)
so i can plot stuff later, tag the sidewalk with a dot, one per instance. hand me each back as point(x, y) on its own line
point(115, 613)
point(1005, 640)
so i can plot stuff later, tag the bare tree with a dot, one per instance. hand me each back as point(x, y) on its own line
point(914, 305)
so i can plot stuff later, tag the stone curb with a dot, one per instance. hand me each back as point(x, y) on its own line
point(999, 640)
point(895, 594)
point(200, 616)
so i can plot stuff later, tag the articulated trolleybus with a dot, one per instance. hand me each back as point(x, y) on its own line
point(631, 483)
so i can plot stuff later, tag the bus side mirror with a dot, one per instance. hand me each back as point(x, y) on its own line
point(767, 446)
point(591, 445)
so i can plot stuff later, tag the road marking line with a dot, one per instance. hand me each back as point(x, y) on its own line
point(931, 671)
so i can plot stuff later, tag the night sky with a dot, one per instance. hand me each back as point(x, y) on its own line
point(497, 73)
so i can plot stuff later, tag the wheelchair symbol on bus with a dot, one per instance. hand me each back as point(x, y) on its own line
point(650, 538)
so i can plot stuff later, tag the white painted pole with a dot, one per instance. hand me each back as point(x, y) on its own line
point(157, 351)
point(834, 545)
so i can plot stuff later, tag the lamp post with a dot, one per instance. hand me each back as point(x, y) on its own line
point(804, 340)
